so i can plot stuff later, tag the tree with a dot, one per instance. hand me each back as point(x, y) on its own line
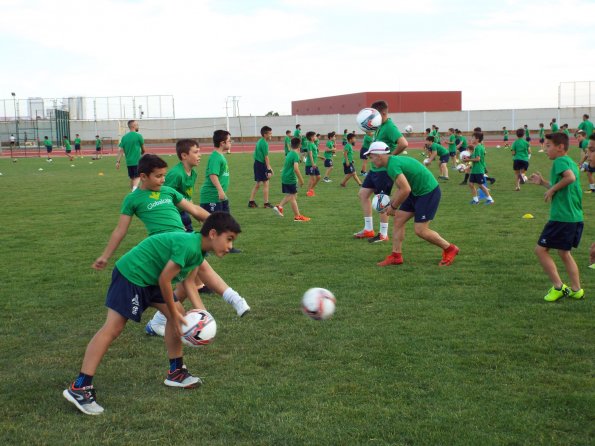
point(272, 113)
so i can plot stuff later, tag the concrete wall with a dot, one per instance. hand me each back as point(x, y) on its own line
point(249, 126)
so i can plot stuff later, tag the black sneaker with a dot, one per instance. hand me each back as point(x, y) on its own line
point(378, 238)
point(83, 399)
point(234, 251)
point(182, 378)
point(493, 180)
point(463, 183)
point(268, 205)
point(205, 290)
point(252, 204)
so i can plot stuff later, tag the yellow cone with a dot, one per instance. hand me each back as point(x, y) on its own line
point(100, 174)
point(528, 216)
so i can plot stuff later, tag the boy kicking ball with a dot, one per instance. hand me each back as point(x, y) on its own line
point(143, 277)
point(564, 229)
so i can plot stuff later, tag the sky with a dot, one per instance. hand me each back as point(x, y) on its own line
point(501, 54)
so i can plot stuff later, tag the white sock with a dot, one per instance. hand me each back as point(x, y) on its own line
point(476, 198)
point(369, 223)
point(159, 319)
point(592, 186)
point(384, 229)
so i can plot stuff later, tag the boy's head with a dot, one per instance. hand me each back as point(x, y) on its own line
point(298, 126)
point(520, 133)
point(296, 143)
point(503, 128)
point(556, 145)
point(188, 151)
point(221, 137)
point(65, 137)
point(382, 107)
point(77, 134)
point(477, 137)
point(152, 170)
point(477, 129)
point(553, 119)
point(331, 135)
point(378, 153)
point(350, 137)
point(266, 132)
point(591, 146)
point(525, 126)
point(133, 125)
point(564, 126)
point(541, 125)
point(97, 136)
point(451, 130)
point(219, 231)
point(287, 132)
point(429, 140)
point(580, 135)
point(345, 132)
point(310, 135)
point(45, 137)
point(428, 130)
point(457, 131)
point(318, 136)
point(585, 117)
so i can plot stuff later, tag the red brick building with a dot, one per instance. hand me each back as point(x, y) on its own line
point(398, 102)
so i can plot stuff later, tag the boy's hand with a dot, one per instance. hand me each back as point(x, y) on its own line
point(221, 195)
point(549, 195)
point(178, 321)
point(99, 264)
point(536, 178)
point(301, 183)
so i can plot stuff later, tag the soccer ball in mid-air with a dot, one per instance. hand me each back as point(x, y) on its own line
point(318, 303)
point(200, 328)
point(465, 154)
point(380, 201)
point(408, 128)
point(369, 119)
point(461, 167)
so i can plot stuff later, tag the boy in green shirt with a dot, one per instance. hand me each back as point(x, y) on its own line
point(348, 166)
point(97, 147)
point(436, 149)
point(143, 277)
point(478, 169)
point(311, 168)
point(521, 151)
point(587, 162)
point(132, 145)
point(541, 136)
point(505, 138)
point(452, 147)
point(289, 179)
point(77, 145)
point(586, 126)
point(48, 147)
point(328, 156)
point(67, 148)
point(213, 192)
point(554, 125)
point(262, 168)
point(287, 142)
point(564, 229)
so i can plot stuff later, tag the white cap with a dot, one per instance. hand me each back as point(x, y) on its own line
point(379, 148)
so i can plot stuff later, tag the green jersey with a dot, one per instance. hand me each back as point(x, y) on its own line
point(144, 263)
point(177, 178)
point(583, 144)
point(344, 141)
point(567, 203)
point(463, 139)
point(420, 179)
point(479, 166)
point(132, 143)
point(521, 150)
point(288, 175)
point(527, 132)
point(311, 147)
point(452, 145)
point(566, 132)
point(505, 135)
point(297, 133)
point(67, 145)
point(262, 150)
point(348, 151)
point(287, 144)
point(541, 132)
point(435, 147)
point(368, 140)
point(217, 165)
point(554, 127)
point(330, 147)
point(47, 142)
point(98, 143)
point(587, 127)
point(156, 209)
point(388, 133)
point(77, 141)
point(305, 143)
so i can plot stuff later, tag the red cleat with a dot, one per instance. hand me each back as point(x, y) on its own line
point(364, 234)
point(391, 259)
point(448, 255)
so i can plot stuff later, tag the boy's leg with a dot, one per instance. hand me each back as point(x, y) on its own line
point(294, 206)
point(99, 344)
point(396, 257)
point(571, 269)
point(422, 230)
point(364, 195)
point(548, 265)
point(486, 191)
point(265, 191)
point(473, 192)
point(517, 178)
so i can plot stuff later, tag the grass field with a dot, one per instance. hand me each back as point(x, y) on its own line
point(469, 354)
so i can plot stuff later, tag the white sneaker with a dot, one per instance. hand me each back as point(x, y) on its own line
point(241, 306)
point(153, 329)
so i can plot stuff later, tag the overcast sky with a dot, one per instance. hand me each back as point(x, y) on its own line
point(500, 54)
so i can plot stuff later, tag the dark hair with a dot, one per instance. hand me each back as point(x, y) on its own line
point(220, 222)
point(287, 132)
point(318, 134)
point(310, 134)
point(553, 119)
point(296, 142)
point(149, 162)
point(265, 129)
point(559, 139)
point(130, 122)
point(586, 116)
point(350, 135)
point(381, 106)
point(592, 137)
point(430, 138)
point(330, 135)
point(478, 136)
point(65, 137)
point(220, 136)
point(525, 126)
point(520, 133)
point(503, 127)
point(451, 129)
point(96, 136)
point(477, 129)
point(77, 134)
point(457, 131)
point(184, 146)
point(297, 126)
point(428, 130)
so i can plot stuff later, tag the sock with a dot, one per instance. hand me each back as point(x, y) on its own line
point(176, 363)
point(159, 319)
point(384, 229)
point(476, 198)
point(369, 223)
point(83, 380)
point(466, 177)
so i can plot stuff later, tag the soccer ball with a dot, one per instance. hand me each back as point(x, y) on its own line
point(498, 146)
point(200, 328)
point(524, 178)
point(408, 129)
point(426, 161)
point(369, 119)
point(584, 167)
point(318, 303)
point(380, 201)
point(461, 167)
point(465, 154)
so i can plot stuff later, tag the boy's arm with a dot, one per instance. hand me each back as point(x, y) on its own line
point(298, 174)
point(402, 144)
point(215, 180)
point(399, 195)
point(268, 164)
point(120, 152)
point(114, 241)
point(345, 158)
point(311, 158)
point(189, 285)
point(196, 211)
point(170, 271)
point(432, 155)
point(568, 177)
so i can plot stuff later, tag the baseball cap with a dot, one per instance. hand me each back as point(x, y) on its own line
point(379, 148)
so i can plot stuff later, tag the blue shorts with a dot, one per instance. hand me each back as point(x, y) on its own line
point(362, 155)
point(220, 206)
point(424, 206)
point(130, 300)
point(290, 189)
point(48, 149)
point(520, 165)
point(590, 169)
point(260, 171)
point(445, 158)
point(452, 154)
point(379, 181)
point(528, 138)
point(541, 140)
point(477, 178)
point(186, 221)
point(561, 235)
point(328, 163)
point(133, 172)
point(312, 171)
point(77, 147)
point(348, 168)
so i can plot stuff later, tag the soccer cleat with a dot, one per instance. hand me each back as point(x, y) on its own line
point(489, 202)
point(492, 180)
point(301, 218)
point(553, 294)
point(463, 183)
point(267, 205)
point(84, 399)
point(327, 180)
point(278, 210)
point(182, 378)
point(521, 179)
point(153, 329)
point(310, 193)
point(592, 266)
point(474, 202)
point(378, 238)
point(241, 307)
point(448, 255)
point(443, 177)
point(391, 259)
point(576, 294)
point(364, 234)
point(252, 204)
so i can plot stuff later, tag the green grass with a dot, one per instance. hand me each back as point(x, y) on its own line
point(469, 354)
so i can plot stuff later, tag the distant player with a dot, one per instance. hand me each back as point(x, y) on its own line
point(67, 147)
point(290, 176)
point(262, 168)
point(589, 158)
point(452, 147)
point(541, 136)
point(312, 169)
point(329, 152)
point(77, 145)
point(520, 158)
point(505, 137)
point(98, 147)
point(348, 166)
point(554, 126)
point(287, 142)
point(12, 141)
point(564, 229)
point(440, 152)
point(478, 169)
point(586, 126)
point(368, 140)
point(132, 145)
point(47, 142)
